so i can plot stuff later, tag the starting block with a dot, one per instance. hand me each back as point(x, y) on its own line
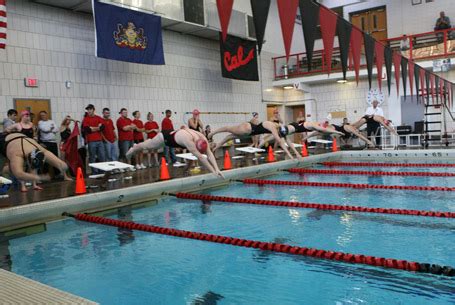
point(188, 156)
point(320, 141)
point(250, 150)
point(109, 168)
point(5, 184)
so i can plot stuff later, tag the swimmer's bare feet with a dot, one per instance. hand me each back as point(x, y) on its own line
point(37, 188)
point(24, 189)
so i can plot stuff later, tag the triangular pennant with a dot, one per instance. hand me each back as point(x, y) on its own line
point(344, 29)
point(428, 85)
point(369, 43)
point(260, 9)
point(328, 21)
point(411, 75)
point(416, 80)
point(379, 50)
point(422, 83)
point(451, 96)
point(224, 13)
point(396, 65)
point(441, 91)
point(287, 9)
point(310, 20)
point(356, 48)
point(404, 73)
point(432, 81)
point(388, 65)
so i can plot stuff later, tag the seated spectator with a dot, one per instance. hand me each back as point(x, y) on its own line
point(404, 43)
point(442, 23)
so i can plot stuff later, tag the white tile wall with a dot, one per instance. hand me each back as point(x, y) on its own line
point(56, 45)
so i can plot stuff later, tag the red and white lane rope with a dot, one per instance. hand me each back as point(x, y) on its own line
point(349, 185)
point(275, 247)
point(318, 206)
point(367, 173)
point(386, 164)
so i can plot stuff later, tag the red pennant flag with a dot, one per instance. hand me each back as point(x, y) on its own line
point(441, 89)
point(422, 83)
point(432, 84)
point(356, 47)
point(328, 20)
point(70, 149)
point(411, 76)
point(397, 66)
point(287, 9)
point(224, 13)
point(379, 50)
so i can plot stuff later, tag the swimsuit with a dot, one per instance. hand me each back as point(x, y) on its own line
point(299, 127)
point(36, 158)
point(198, 126)
point(341, 129)
point(169, 139)
point(27, 131)
point(258, 129)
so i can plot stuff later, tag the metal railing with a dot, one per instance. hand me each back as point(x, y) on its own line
point(430, 45)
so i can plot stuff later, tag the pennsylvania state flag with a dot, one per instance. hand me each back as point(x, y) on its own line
point(127, 35)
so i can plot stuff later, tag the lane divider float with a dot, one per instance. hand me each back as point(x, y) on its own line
point(387, 164)
point(366, 173)
point(317, 206)
point(348, 185)
point(275, 247)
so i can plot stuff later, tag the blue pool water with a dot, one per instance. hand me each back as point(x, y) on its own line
point(118, 266)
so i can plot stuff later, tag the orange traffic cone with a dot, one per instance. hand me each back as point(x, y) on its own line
point(164, 172)
point(304, 150)
point(271, 156)
point(80, 183)
point(227, 160)
point(334, 145)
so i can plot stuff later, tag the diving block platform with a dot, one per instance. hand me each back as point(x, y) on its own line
point(16, 289)
point(250, 150)
point(320, 141)
point(188, 156)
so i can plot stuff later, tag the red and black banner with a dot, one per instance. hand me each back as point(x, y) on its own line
point(239, 59)
point(260, 10)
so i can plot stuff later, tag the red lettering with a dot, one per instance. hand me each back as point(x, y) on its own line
point(232, 62)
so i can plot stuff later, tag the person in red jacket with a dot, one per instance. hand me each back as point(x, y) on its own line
point(92, 127)
point(167, 126)
point(109, 137)
point(151, 130)
point(125, 129)
point(138, 136)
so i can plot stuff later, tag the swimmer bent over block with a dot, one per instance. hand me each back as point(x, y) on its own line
point(185, 138)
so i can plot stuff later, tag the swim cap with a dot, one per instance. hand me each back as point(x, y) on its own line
point(36, 159)
point(196, 112)
point(201, 145)
point(283, 131)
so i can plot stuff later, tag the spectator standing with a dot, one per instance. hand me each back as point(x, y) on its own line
point(195, 122)
point(109, 137)
point(92, 127)
point(10, 119)
point(151, 130)
point(47, 130)
point(125, 129)
point(138, 136)
point(404, 43)
point(373, 126)
point(168, 127)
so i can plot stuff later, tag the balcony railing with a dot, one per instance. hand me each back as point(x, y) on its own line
point(430, 45)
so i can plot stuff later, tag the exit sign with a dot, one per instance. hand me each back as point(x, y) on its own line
point(31, 82)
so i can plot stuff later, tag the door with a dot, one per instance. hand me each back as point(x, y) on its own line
point(270, 109)
point(372, 21)
point(34, 106)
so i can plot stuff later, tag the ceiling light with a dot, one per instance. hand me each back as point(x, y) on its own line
point(288, 87)
point(269, 90)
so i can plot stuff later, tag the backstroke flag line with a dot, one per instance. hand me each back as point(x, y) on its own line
point(127, 35)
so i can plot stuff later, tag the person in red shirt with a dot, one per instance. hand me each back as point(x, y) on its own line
point(92, 127)
point(109, 137)
point(168, 127)
point(125, 129)
point(138, 136)
point(151, 130)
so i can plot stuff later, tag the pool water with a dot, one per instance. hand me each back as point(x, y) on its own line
point(119, 266)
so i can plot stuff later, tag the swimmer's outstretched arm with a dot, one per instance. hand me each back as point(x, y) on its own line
point(291, 145)
point(279, 140)
point(192, 149)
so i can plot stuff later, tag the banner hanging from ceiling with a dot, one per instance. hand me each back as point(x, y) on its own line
point(239, 58)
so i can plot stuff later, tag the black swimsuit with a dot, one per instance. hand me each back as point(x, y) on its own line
point(258, 129)
point(169, 139)
point(198, 127)
point(27, 131)
point(4, 143)
point(299, 127)
point(341, 129)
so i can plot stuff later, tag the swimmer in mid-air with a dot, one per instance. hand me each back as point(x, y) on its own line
point(185, 138)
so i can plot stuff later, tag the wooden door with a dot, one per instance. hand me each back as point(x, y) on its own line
point(373, 21)
point(34, 106)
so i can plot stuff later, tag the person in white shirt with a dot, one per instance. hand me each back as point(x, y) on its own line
point(47, 131)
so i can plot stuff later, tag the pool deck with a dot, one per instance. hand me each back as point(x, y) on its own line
point(16, 289)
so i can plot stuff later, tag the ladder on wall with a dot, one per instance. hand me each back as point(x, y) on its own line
point(433, 124)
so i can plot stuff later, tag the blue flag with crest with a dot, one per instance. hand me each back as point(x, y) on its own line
point(127, 35)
